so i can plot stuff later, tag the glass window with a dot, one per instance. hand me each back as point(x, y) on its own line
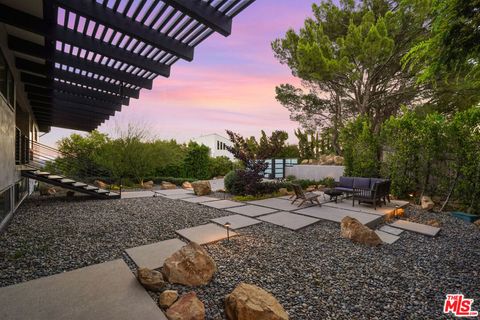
point(10, 89)
point(20, 190)
point(5, 204)
point(3, 76)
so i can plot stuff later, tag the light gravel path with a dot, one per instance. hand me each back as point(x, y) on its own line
point(313, 272)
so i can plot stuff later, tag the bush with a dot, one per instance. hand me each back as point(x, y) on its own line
point(234, 183)
point(220, 166)
point(197, 161)
point(360, 149)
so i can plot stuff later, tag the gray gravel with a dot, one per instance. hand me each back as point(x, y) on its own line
point(314, 273)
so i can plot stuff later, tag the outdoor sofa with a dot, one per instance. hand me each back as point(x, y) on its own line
point(369, 190)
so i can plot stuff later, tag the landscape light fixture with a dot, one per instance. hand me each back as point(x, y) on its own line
point(228, 225)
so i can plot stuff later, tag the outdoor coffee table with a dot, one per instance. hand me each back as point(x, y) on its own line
point(334, 194)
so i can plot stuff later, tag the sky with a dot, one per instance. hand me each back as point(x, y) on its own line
point(230, 84)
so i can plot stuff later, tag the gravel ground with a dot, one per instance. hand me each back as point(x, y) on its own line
point(313, 272)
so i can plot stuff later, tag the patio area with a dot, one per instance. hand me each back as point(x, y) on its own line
point(311, 271)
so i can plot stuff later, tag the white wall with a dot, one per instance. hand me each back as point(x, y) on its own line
point(211, 140)
point(315, 172)
point(8, 174)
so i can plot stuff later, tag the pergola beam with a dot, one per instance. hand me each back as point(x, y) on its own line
point(204, 13)
point(69, 88)
point(63, 96)
point(116, 21)
point(91, 44)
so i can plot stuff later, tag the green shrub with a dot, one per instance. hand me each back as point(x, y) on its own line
point(234, 183)
point(197, 161)
point(220, 166)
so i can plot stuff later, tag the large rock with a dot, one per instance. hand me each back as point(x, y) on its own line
point(188, 307)
point(248, 302)
point(148, 184)
point(150, 279)
point(352, 229)
point(100, 184)
point(167, 298)
point(434, 223)
point(46, 190)
point(477, 223)
point(187, 185)
point(427, 203)
point(165, 185)
point(201, 187)
point(338, 160)
point(190, 266)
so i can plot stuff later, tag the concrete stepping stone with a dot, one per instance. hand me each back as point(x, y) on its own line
point(289, 220)
point(236, 221)
point(137, 194)
point(180, 196)
point(336, 215)
point(199, 199)
point(416, 227)
point(169, 192)
point(103, 291)
point(222, 204)
point(251, 210)
point(279, 204)
point(153, 255)
point(391, 230)
point(205, 233)
point(387, 237)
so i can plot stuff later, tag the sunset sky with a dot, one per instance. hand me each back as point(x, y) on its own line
point(230, 84)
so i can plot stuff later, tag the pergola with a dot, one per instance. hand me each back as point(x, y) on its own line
point(81, 60)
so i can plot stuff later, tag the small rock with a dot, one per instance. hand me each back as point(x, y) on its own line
point(434, 223)
point(248, 302)
point(352, 229)
point(201, 187)
point(283, 191)
point(190, 266)
point(477, 223)
point(100, 184)
point(167, 298)
point(165, 185)
point(148, 184)
point(187, 185)
point(427, 203)
point(150, 279)
point(188, 307)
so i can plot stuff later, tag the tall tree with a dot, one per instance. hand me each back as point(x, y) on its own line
point(349, 60)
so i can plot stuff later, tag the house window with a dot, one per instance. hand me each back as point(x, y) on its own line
point(218, 145)
point(5, 204)
point(7, 85)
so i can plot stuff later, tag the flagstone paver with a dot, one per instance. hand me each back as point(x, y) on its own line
point(222, 204)
point(153, 255)
point(137, 194)
point(205, 233)
point(416, 227)
point(391, 230)
point(236, 221)
point(387, 237)
point(199, 199)
point(169, 192)
point(289, 220)
point(336, 215)
point(278, 204)
point(180, 196)
point(103, 291)
point(251, 210)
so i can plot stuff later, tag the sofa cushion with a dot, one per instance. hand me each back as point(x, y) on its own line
point(361, 183)
point(346, 182)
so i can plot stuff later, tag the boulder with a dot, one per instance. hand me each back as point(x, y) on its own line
point(167, 298)
point(248, 302)
point(100, 184)
point(352, 229)
point(283, 191)
point(188, 307)
point(434, 223)
point(427, 203)
point(201, 187)
point(148, 184)
point(187, 185)
point(165, 185)
point(338, 160)
point(477, 223)
point(190, 266)
point(150, 279)
point(311, 188)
